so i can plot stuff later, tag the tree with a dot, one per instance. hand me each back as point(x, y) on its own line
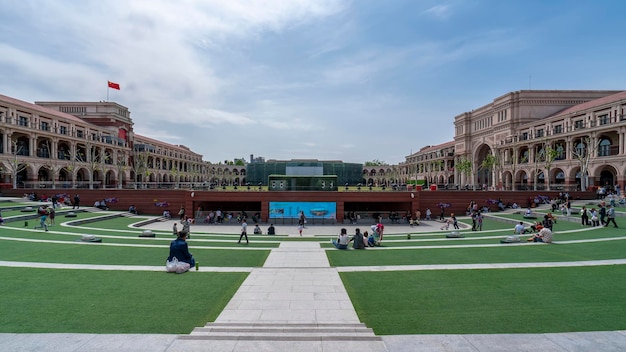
point(121, 166)
point(53, 166)
point(465, 167)
point(94, 162)
point(489, 163)
point(547, 155)
point(514, 164)
point(584, 149)
point(14, 165)
point(140, 165)
point(374, 162)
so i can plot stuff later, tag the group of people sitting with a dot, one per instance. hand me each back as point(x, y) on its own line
point(542, 231)
point(360, 240)
point(101, 204)
point(270, 230)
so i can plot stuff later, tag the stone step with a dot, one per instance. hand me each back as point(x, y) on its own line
point(286, 325)
point(282, 332)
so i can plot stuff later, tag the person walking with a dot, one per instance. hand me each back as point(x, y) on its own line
point(610, 216)
point(76, 204)
point(42, 222)
point(602, 213)
point(244, 230)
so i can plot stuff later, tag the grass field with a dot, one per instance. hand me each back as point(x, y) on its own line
point(391, 302)
point(106, 302)
point(538, 300)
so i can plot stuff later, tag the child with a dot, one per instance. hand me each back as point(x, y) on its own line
point(369, 240)
point(446, 225)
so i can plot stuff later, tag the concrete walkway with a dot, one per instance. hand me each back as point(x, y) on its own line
point(297, 302)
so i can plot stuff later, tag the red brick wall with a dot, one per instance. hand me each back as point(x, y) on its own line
point(152, 201)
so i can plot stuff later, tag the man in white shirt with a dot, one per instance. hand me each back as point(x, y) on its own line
point(244, 230)
point(519, 228)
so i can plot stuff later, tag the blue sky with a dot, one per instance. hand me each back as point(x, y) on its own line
point(305, 79)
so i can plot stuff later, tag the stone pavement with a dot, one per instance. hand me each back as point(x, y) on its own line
point(297, 302)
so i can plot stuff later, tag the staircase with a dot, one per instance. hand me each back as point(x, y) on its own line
point(282, 332)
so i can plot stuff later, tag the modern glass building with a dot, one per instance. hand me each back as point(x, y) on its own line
point(259, 172)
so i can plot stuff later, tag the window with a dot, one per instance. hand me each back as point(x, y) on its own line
point(540, 155)
point(524, 157)
point(62, 130)
point(63, 152)
point(539, 133)
point(579, 124)
point(605, 147)
point(603, 119)
point(560, 152)
point(21, 147)
point(79, 133)
point(23, 121)
point(43, 150)
point(557, 129)
point(524, 136)
point(44, 126)
point(580, 149)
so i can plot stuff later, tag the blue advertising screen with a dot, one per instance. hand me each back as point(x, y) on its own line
point(312, 210)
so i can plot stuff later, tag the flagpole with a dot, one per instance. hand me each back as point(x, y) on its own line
point(108, 92)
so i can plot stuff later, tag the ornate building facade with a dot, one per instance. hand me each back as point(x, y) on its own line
point(523, 140)
point(93, 145)
point(531, 140)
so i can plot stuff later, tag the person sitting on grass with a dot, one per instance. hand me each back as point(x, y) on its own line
point(368, 240)
point(257, 230)
point(519, 229)
point(180, 250)
point(358, 240)
point(342, 241)
point(544, 235)
point(528, 214)
point(536, 227)
point(271, 230)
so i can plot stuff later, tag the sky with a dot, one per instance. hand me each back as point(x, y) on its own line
point(355, 81)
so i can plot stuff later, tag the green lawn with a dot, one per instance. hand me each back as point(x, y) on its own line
point(111, 302)
point(539, 300)
point(394, 302)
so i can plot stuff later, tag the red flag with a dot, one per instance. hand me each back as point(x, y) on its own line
point(114, 85)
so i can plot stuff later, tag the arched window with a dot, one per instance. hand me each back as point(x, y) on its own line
point(605, 147)
point(581, 149)
point(560, 152)
point(524, 157)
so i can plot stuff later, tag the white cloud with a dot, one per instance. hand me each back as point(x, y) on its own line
point(438, 11)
